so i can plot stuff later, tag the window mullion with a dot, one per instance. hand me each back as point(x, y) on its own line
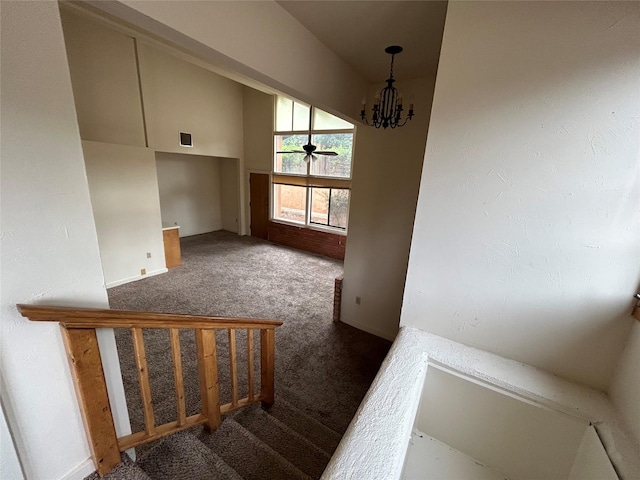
point(329, 209)
point(309, 208)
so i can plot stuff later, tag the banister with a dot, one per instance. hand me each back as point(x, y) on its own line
point(73, 317)
point(78, 327)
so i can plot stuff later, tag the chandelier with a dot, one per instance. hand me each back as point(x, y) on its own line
point(387, 107)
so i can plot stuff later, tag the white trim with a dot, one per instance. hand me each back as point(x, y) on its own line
point(374, 331)
point(135, 278)
point(80, 471)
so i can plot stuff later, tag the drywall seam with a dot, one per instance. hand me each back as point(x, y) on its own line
point(135, 278)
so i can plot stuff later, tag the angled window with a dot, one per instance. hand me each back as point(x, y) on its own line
point(312, 166)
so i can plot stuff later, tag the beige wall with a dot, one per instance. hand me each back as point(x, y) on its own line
point(258, 138)
point(229, 194)
point(526, 234)
point(182, 97)
point(386, 178)
point(259, 40)
point(126, 208)
point(189, 192)
point(105, 81)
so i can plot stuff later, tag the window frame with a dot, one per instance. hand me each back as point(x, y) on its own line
point(310, 180)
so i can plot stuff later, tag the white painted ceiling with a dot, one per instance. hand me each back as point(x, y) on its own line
point(359, 31)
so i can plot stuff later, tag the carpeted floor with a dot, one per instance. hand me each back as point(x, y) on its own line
point(322, 368)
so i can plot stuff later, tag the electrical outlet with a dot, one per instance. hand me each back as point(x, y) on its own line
point(358, 300)
point(143, 271)
point(148, 254)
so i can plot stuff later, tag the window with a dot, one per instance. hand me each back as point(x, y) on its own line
point(309, 187)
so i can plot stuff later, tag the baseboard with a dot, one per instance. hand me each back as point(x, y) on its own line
point(136, 278)
point(81, 471)
point(371, 330)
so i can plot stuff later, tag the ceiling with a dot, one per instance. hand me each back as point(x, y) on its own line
point(359, 31)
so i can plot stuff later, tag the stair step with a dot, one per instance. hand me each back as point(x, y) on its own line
point(183, 455)
point(127, 470)
point(248, 455)
point(307, 426)
point(293, 446)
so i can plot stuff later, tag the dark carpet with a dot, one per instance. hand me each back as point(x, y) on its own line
point(323, 369)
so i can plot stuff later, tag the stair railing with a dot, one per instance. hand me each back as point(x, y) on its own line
point(78, 326)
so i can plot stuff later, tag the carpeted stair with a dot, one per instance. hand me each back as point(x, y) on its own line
point(322, 371)
point(282, 442)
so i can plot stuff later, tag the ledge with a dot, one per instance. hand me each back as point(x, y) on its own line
point(375, 444)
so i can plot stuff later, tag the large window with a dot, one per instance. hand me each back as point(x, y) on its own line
point(309, 187)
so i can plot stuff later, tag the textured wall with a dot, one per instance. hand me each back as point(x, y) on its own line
point(49, 246)
point(526, 234)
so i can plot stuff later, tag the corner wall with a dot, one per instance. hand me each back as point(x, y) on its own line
point(386, 179)
point(189, 188)
point(258, 115)
point(526, 234)
point(126, 208)
point(49, 247)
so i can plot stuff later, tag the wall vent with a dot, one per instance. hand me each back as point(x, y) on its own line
point(185, 140)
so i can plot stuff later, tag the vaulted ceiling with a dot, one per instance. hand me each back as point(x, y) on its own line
point(359, 31)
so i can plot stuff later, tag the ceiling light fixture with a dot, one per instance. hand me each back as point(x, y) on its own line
point(387, 107)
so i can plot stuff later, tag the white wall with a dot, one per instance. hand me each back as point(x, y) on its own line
point(229, 194)
point(386, 178)
point(259, 40)
point(182, 97)
point(625, 387)
point(189, 188)
point(526, 234)
point(126, 208)
point(105, 81)
point(9, 461)
point(521, 440)
point(49, 246)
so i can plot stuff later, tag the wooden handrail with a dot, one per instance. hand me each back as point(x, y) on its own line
point(78, 331)
point(73, 317)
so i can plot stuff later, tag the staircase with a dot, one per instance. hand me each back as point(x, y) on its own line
point(282, 442)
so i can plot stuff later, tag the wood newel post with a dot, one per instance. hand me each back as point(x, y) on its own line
point(85, 363)
point(267, 366)
point(208, 376)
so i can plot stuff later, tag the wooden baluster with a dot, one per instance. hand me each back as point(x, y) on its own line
point(234, 367)
point(208, 375)
point(143, 377)
point(83, 354)
point(267, 365)
point(250, 362)
point(177, 375)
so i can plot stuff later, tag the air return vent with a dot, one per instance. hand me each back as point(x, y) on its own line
point(185, 140)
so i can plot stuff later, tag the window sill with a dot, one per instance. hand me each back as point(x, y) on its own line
point(318, 228)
